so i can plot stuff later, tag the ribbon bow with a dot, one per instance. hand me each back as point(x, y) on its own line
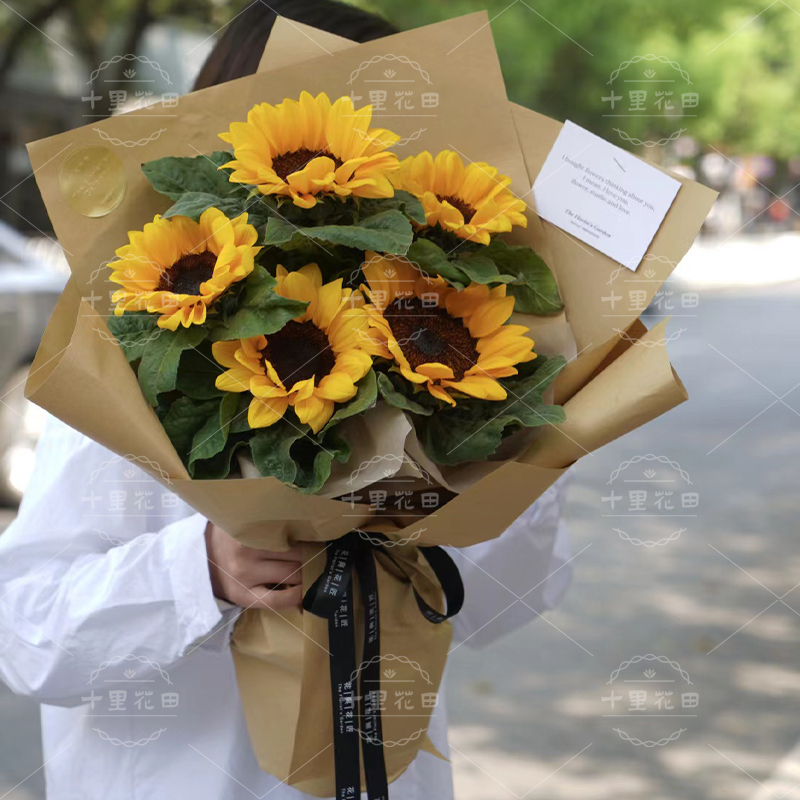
point(331, 597)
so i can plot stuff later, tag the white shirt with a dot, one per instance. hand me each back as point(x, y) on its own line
point(103, 566)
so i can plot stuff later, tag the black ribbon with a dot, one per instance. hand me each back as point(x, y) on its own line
point(331, 596)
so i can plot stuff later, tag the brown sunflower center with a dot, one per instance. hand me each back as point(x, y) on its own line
point(299, 351)
point(467, 211)
point(428, 335)
point(293, 161)
point(187, 273)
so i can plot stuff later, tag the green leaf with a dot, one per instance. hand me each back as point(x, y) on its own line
point(480, 269)
point(537, 292)
point(193, 204)
point(387, 232)
point(271, 450)
point(261, 310)
point(184, 418)
point(365, 398)
point(248, 322)
point(158, 370)
point(404, 202)
point(291, 454)
point(315, 459)
point(240, 423)
point(528, 278)
point(175, 176)
point(197, 374)
point(258, 288)
point(433, 261)
point(133, 332)
point(474, 429)
point(213, 436)
point(219, 466)
point(397, 399)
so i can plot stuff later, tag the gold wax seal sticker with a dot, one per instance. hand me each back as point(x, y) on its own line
point(92, 180)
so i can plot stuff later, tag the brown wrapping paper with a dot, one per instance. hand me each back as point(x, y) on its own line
point(81, 376)
point(285, 675)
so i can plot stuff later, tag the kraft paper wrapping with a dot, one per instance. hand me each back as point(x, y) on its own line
point(286, 677)
point(81, 376)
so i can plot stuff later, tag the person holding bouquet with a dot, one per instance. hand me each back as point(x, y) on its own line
point(72, 597)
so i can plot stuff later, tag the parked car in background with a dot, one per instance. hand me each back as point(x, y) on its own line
point(32, 275)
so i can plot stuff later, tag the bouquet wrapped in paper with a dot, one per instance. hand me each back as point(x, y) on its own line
point(354, 338)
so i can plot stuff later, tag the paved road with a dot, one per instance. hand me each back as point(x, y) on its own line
point(523, 712)
point(528, 715)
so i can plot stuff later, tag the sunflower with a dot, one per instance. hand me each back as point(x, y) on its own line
point(442, 339)
point(302, 148)
point(177, 267)
point(472, 201)
point(311, 363)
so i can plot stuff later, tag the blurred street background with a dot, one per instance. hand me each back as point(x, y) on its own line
point(535, 716)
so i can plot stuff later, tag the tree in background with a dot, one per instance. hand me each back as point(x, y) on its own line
point(557, 57)
point(92, 30)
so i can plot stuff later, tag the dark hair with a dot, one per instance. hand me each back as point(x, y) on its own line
point(239, 49)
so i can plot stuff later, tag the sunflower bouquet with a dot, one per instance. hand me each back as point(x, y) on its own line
point(348, 342)
point(310, 276)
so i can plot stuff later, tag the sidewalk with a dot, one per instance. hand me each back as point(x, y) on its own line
point(527, 716)
point(764, 259)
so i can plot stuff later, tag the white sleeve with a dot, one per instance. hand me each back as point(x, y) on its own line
point(101, 562)
point(512, 579)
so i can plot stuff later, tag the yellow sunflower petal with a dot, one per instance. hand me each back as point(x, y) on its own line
point(313, 273)
point(354, 363)
point(338, 386)
point(225, 353)
point(298, 286)
point(348, 329)
point(330, 301)
point(263, 413)
point(435, 371)
point(236, 379)
point(314, 411)
point(440, 393)
point(170, 321)
point(505, 343)
point(488, 317)
point(479, 386)
point(302, 390)
point(263, 388)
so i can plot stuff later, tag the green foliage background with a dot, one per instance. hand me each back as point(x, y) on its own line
point(557, 55)
point(740, 56)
